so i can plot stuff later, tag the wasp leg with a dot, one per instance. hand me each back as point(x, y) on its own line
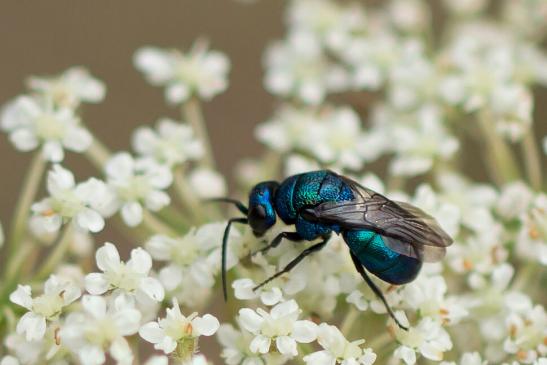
point(291, 236)
point(375, 289)
point(224, 246)
point(239, 205)
point(296, 260)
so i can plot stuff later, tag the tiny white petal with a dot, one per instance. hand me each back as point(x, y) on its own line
point(22, 296)
point(153, 288)
point(107, 257)
point(304, 331)
point(32, 325)
point(206, 325)
point(286, 345)
point(132, 214)
point(260, 344)
point(152, 332)
point(96, 283)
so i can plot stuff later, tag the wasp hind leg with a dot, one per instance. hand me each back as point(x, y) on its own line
point(318, 246)
point(375, 289)
point(291, 236)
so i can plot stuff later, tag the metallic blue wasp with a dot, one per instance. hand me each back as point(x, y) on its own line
point(389, 239)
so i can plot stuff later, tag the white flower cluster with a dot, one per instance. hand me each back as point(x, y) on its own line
point(281, 330)
point(47, 118)
point(199, 72)
point(60, 324)
point(346, 48)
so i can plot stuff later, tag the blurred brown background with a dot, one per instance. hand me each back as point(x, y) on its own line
point(46, 37)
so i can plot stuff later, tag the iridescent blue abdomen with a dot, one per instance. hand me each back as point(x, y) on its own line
point(308, 190)
point(379, 259)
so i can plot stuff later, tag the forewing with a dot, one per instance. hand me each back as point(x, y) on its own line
point(407, 229)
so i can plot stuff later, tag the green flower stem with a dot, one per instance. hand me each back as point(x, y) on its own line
point(380, 341)
point(60, 248)
point(192, 113)
point(501, 163)
point(13, 267)
point(155, 225)
point(188, 199)
point(20, 220)
point(349, 321)
point(525, 275)
point(532, 160)
point(98, 154)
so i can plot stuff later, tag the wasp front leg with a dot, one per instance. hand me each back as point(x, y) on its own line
point(291, 236)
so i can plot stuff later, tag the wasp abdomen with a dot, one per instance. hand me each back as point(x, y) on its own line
point(379, 259)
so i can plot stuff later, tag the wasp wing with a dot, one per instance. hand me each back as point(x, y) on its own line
point(406, 229)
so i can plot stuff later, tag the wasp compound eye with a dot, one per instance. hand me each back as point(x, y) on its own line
point(258, 220)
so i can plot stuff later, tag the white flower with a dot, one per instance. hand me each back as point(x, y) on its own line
point(532, 236)
point(299, 68)
point(468, 358)
point(207, 183)
point(36, 351)
point(427, 294)
point(178, 333)
point(58, 294)
point(332, 135)
point(192, 261)
point(236, 350)
point(131, 277)
point(9, 360)
point(72, 87)
point(85, 203)
point(527, 331)
point(338, 350)
point(331, 22)
point(171, 143)
point(280, 325)
point(243, 290)
point(199, 72)
point(33, 122)
point(138, 182)
point(428, 339)
point(157, 360)
point(514, 200)
point(102, 326)
point(420, 143)
point(410, 16)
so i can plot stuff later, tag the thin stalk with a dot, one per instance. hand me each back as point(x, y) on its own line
point(60, 248)
point(191, 111)
point(500, 161)
point(532, 160)
point(13, 267)
point(188, 199)
point(98, 154)
point(349, 321)
point(154, 225)
point(525, 275)
point(28, 194)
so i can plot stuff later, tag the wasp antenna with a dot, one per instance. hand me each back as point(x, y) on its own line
point(239, 205)
point(224, 247)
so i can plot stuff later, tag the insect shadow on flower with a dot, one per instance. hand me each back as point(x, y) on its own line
point(390, 239)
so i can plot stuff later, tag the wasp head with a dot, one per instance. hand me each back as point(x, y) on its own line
point(262, 214)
